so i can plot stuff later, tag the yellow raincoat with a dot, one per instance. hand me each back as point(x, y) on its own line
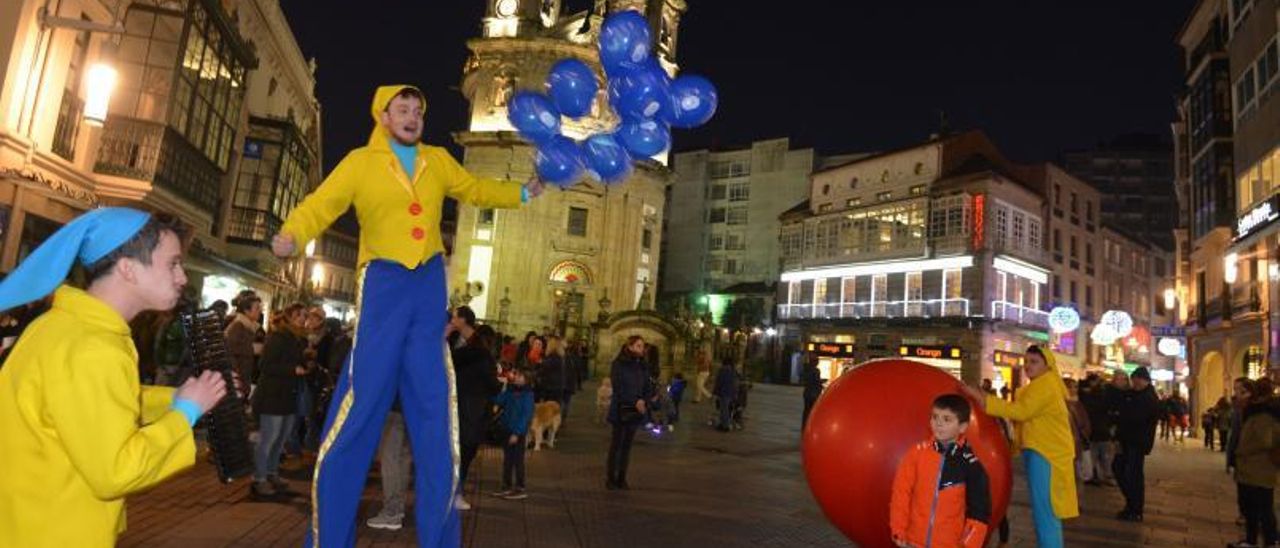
point(399, 213)
point(1039, 413)
point(77, 432)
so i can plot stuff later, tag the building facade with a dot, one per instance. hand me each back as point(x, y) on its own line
point(1135, 173)
point(565, 258)
point(169, 135)
point(1228, 133)
point(721, 221)
point(935, 251)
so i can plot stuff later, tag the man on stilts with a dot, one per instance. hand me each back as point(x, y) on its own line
point(397, 186)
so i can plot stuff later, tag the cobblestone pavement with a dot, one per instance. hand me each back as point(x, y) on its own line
point(694, 487)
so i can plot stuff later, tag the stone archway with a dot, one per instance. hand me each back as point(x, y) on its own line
point(1210, 383)
point(648, 324)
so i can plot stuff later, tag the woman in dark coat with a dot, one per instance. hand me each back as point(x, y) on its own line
point(477, 378)
point(276, 397)
point(632, 387)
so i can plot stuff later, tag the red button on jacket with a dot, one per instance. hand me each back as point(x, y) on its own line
point(418, 233)
point(415, 209)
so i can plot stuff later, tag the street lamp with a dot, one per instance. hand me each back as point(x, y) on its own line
point(100, 77)
point(100, 81)
point(1229, 271)
point(1170, 298)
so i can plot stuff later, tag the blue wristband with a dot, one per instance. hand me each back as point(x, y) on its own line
point(524, 195)
point(188, 409)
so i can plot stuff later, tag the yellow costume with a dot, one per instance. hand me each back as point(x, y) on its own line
point(77, 431)
point(1039, 413)
point(399, 213)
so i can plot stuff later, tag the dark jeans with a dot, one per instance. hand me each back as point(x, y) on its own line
point(513, 462)
point(469, 451)
point(1129, 471)
point(1222, 440)
point(1208, 438)
point(808, 406)
point(726, 413)
point(620, 451)
point(1259, 515)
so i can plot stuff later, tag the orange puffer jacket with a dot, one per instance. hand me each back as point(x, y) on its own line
point(940, 497)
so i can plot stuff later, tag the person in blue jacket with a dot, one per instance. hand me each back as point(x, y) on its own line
point(517, 410)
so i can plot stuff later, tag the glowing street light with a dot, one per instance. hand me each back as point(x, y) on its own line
point(317, 274)
point(1229, 270)
point(770, 331)
point(100, 81)
point(1170, 298)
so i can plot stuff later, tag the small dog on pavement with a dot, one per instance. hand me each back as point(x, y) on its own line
point(604, 394)
point(546, 419)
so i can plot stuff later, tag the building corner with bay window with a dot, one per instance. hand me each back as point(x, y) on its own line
point(948, 253)
point(1227, 139)
point(212, 117)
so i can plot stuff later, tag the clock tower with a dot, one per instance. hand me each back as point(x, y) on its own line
point(567, 256)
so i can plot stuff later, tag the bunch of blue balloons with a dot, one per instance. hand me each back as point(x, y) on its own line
point(639, 90)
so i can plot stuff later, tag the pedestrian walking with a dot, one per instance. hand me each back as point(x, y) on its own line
point(813, 383)
point(1255, 471)
point(477, 375)
point(1139, 413)
point(703, 363)
point(726, 392)
point(517, 410)
point(276, 398)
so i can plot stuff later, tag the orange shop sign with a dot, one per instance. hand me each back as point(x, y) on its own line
point(935, 352)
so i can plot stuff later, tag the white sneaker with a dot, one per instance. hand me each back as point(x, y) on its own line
point(391, 522)
point(461, 503)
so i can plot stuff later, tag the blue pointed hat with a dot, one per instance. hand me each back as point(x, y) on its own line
point(88, 238)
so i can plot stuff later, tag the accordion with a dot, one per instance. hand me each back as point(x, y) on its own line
point(228, 433)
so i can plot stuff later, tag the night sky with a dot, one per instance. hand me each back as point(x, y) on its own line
point(1040, 77)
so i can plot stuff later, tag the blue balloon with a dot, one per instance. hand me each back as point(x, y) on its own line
point(642, 92)
point(572, 86)
point(606, 156)
point(559, 161)
point(644, 137)
point(624, 38)
point(693, 101)
point(534, 116)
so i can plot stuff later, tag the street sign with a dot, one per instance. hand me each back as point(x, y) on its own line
point(1168, 331)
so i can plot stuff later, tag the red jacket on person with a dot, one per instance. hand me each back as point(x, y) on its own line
point(941, 498)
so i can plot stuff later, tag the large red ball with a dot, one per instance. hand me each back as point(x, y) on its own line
point(861, 427)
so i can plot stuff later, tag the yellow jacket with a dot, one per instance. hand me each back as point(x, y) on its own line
point(1039, 413)
point(399, 213)
point(77, 432)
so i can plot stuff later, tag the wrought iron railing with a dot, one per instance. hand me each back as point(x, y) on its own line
point(130, 148)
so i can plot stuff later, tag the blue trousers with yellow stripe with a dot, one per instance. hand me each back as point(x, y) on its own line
point(398, 348)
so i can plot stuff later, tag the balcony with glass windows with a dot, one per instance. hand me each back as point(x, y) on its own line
point(154, 152)
point(1021, 249)
point(1013, 312)
point(930, 308)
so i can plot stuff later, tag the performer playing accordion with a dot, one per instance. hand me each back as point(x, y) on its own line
point(79, 432)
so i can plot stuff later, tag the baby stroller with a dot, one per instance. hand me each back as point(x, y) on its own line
point(662, 415)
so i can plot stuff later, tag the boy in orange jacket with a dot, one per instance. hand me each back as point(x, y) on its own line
point(940, 495)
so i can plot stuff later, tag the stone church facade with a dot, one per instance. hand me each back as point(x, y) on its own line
point(570, 255)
